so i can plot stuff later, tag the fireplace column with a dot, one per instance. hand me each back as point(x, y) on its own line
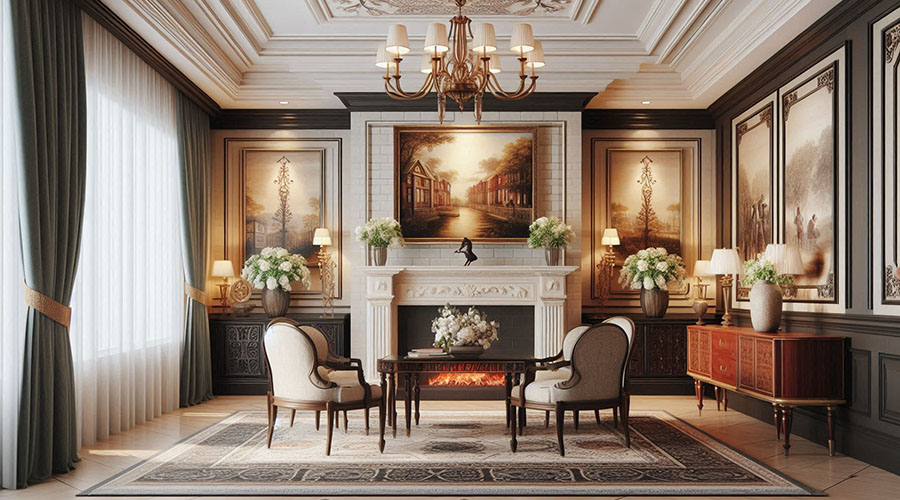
point(550, 313)
point(381, 317)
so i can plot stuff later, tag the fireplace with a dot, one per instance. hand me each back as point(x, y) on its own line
point(466, 378)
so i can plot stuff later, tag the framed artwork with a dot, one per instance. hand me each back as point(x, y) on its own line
point(648, 191)
point(753, 181)
point(812, 178)
point(885, 155)
point(277, 192)
point(474, 182)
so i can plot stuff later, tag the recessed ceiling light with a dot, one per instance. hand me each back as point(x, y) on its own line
point(286, 102)
point(645, 102)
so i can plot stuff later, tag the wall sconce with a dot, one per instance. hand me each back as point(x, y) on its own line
point(607, 263)
point(322, 239)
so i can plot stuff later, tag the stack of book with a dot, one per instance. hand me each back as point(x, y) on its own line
point(426, 352)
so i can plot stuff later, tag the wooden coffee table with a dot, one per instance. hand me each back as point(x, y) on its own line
point(393, 368)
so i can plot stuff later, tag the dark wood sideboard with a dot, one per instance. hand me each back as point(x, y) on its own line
point(784, 369)
point(658, 363)
point(236, 342)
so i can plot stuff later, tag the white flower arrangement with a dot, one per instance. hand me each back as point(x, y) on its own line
point(380, 232)
point(549, 232)
point(453, 328)
point(651, 268)
point(274, 268)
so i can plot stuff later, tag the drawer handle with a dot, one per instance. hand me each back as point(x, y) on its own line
point(723, 368)
point(722, 343)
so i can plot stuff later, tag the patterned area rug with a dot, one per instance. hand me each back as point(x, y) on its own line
point(450, 453)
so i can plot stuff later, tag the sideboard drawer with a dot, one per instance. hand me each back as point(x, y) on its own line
point(724, 344)
point(724, 370)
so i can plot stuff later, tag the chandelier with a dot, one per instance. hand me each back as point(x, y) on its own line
point(461, 73)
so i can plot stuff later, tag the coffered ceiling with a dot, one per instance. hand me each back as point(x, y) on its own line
point(674, 53)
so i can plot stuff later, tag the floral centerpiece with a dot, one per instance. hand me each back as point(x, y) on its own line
point(273, 270)
point(380, 233)
point(458, 332)
point(551, 234)
point(650, 271)
point(766, 294)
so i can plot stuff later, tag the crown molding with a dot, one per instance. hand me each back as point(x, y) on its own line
point(659, 119)
point(275, 119)
point(539, 101)
point(131, 39)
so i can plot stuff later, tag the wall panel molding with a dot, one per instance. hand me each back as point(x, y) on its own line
point(861, 381)
point(667, 119)
point(274, 119)
point(889, 388)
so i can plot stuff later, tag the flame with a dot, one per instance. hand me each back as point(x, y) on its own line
point(468, 379)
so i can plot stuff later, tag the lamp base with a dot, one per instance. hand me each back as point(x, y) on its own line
point(223, 294)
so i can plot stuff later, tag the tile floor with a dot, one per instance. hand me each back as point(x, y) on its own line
point(840, 477)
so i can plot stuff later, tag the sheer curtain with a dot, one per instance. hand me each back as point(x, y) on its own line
point(128, 306)
point(12, 306)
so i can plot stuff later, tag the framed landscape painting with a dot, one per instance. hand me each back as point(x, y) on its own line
point(456, 182)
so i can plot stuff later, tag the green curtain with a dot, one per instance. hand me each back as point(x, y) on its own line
point(195, 162)
point(50, 81)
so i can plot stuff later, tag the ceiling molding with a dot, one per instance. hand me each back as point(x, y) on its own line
point(657, 119)
point(276, 119)
point(109, 20)
point(539, 101)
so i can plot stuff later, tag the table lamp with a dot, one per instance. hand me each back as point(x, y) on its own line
point(223, 269)
point(787, 261)
point(322, 239)
point(610, 238)
point(701, 270)
point(726, 262)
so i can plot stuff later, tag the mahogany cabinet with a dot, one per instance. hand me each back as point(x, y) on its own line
point(785, 369)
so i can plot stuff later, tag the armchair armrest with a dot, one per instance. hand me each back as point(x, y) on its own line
point(350, 365)
point(532, 369)
point(549, 359)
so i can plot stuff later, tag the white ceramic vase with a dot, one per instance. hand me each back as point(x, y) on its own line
point(765, 306)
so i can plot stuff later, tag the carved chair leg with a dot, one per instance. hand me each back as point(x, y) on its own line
point(293, 414)
point(367, 417)
point(513, 425)
point(560, 422)
point(346, 421)
point(272, 409)
point(329, 411)
point(521, 418)
point(546, 419)
point(597, 416)
point(318, 417)
point(626, 409)
point(575, 418)
point(616, 418)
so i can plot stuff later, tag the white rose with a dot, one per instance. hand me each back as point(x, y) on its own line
point(660, 281)
point(285, 266)
point(661, 250)
point(284, 281)
point(662, 266)
point(266, 251)
point(264, 265)
point(642, 254)
point(648, 283)
point(271, 284)
point(281, 253)
point(642, 265)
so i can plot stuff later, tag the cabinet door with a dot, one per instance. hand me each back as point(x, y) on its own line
point(699, 352)
point(666, 350)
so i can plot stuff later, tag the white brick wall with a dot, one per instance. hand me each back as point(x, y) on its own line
point(369, 192)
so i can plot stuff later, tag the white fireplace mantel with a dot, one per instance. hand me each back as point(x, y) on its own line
point(543, 287)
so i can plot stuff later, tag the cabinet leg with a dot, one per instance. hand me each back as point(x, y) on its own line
point(698, 389)
point(776, 416)
point(831, 431)
point(724, 400)
point(788, 419)
point(718, 398)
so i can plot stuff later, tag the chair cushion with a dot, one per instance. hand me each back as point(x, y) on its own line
point(348, 393)
point(563, 373)
point(537, 391)
point(342, 377)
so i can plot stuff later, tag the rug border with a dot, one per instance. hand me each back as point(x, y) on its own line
point(89, 491)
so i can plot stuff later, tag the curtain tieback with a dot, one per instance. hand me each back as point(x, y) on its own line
point(50, 308)
point(195, 293)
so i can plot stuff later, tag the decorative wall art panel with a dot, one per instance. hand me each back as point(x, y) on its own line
point(648, 191)
point(812, 183)
point(886, 222)
point(277, 193)
point(455, 182)
point(753, 180)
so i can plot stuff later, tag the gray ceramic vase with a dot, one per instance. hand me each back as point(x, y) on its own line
point(551, 255)
point(654, 302)
point(379, 256)
point(275, 302)
point(765, 306)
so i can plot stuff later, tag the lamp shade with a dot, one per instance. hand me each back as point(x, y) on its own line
point(222, 269)
point(522, 40)
point(322, 237)
point(436, 40)
point(495, 64)
point(610, 236)
point(725, 261)
point(701, 268)
point(536, 56)
point(785, 257)
point(397, 41)
point(485, 41)
point(383, 59)
point(426, 64)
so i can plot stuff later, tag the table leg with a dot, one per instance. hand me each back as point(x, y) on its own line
point(392, 410)
point(384, 398)
point(407, 380)
point(698, 390)
point(787, 420)
point(418, 397)
point(831, 431)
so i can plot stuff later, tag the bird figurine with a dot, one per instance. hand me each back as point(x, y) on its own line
point(465, 248)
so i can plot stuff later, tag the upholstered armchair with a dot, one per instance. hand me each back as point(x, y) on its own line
point(564, 373)
point(596, 358)
point(296, 379)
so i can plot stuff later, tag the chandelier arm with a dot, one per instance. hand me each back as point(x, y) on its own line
point(521, 92)
point(396, 88)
